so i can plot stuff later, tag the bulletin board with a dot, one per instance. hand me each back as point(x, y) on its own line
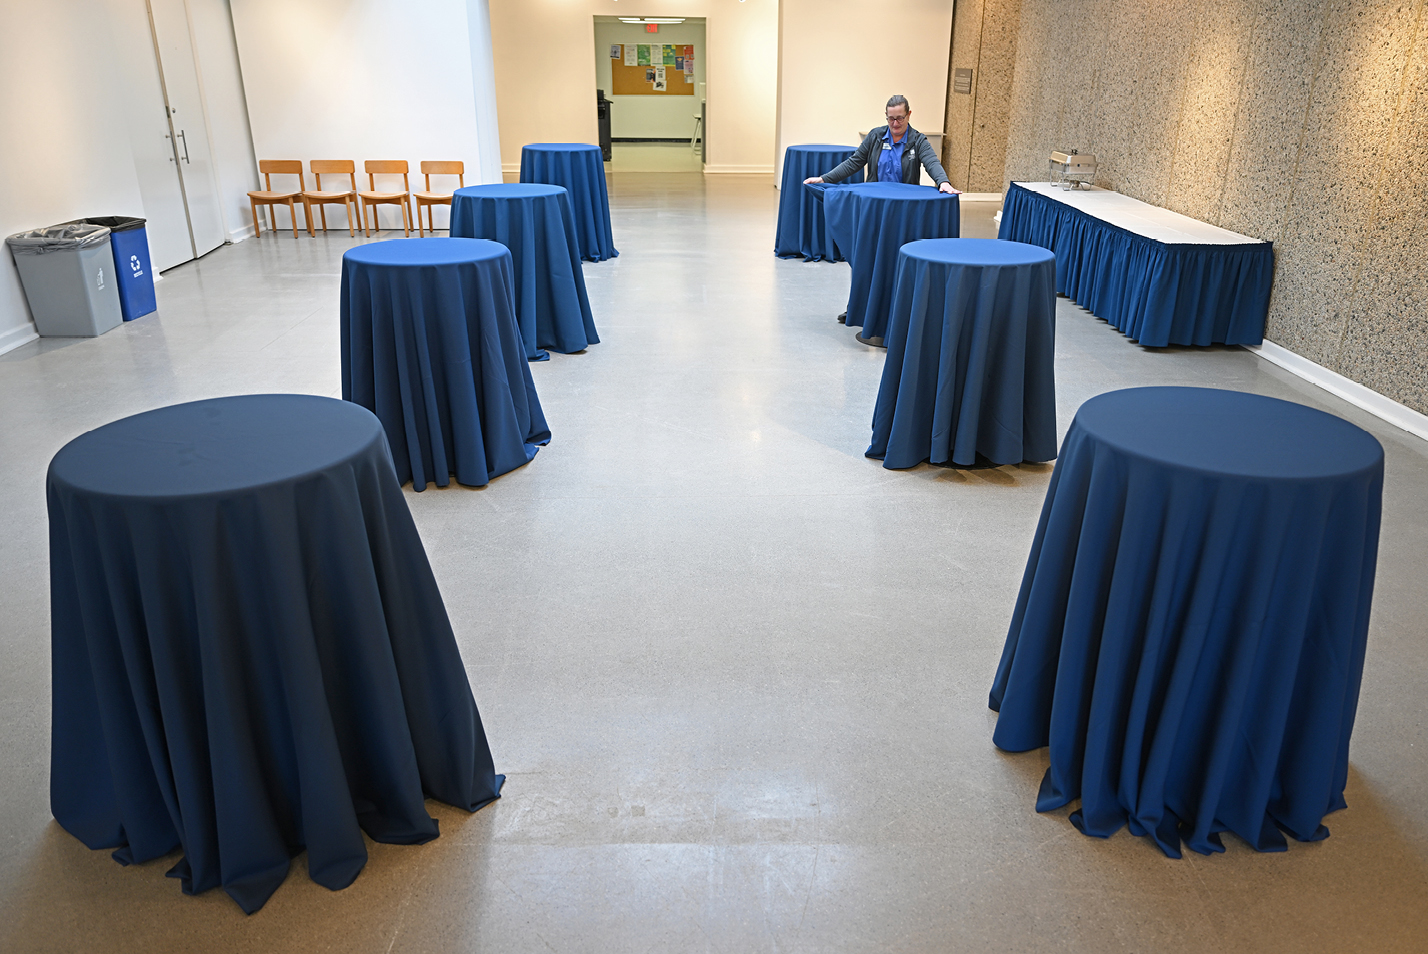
point(635, 72)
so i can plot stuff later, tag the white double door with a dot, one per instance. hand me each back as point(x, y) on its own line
point(171, 147)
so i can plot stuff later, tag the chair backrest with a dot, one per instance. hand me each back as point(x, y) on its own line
point(385, 167)
point(282, 167)
point(441, 167)
point(321, 167)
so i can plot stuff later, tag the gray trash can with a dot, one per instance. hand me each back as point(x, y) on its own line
point(68, 275)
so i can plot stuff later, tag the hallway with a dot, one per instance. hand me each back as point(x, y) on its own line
point(735, 673)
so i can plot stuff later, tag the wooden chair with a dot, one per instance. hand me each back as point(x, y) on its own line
point(372, 198)
point(428, 198)
point(321, 199)
point(268, 198)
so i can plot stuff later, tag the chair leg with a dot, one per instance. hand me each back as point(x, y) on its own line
point(347, 207)
point(257, 227)
point(420, 233)
point(292, 214)
point(406, 220)
point(307, 218)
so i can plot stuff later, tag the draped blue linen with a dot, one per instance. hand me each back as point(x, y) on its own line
point(870, 221)
point(971, 343)
point(431, 346)
point(250, 653)
point(580, 168)
point(535, 222)
point(802, 226)
point(1155, 293)
point(1189, 637)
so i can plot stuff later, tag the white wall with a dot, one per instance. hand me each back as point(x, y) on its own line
point(483, 83)
point(556, 103)
point(838, 69)
point(65, 147)
point(361, 79)
point(650, 117)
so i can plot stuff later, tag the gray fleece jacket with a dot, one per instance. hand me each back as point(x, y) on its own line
point(918, 150)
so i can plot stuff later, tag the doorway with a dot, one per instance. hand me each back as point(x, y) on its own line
point(172, 153)
point(651, 70)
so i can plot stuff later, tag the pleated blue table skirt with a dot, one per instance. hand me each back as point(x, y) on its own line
point(580, 169)
point(1190, 633)
point(802, 226)
point(1154, 293)
point(971, 344)
point(251, 656)
point(430, 344)
point(870, 221)
point(535, 222)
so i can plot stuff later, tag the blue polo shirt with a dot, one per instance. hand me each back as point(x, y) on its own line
point(890, 159)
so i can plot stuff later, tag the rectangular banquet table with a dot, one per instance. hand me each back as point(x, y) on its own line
point(1157, 276)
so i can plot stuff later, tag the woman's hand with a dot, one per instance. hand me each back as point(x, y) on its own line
point(813, 180)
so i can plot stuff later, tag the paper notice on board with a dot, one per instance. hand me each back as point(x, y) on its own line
point(614, 51)
point(660, 84)
point(642, 54)
point(632, 56)
point(669, 54)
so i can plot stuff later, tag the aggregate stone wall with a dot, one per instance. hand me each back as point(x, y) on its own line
point(1303, 122)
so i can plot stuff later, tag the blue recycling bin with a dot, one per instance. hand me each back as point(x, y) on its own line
point(130, 244)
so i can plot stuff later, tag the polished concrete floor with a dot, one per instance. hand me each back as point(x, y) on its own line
point(736, 673)
point(654, 157)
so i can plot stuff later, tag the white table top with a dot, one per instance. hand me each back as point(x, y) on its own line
point(1139, 217)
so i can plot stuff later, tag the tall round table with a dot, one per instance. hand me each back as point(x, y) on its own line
point(870, 221)
point(535, 222)
point(251, 656)
point(430, 344)
point(971, 342)
point(1189, 638)
point(802, 226)
point(580, 169)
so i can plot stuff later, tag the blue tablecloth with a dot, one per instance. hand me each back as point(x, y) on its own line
point(1153, 292)
point(870, 221)
point(431, 346)
point(250, 653)
point(580, 168)
point(802, 227)
point(971, 341)
point(535, 222)
point(1190, 633)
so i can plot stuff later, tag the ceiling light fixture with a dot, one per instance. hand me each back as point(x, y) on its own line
point(651, 19)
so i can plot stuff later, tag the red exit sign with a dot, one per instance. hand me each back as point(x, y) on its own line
point(651, 27)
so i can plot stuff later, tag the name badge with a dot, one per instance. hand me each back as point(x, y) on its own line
point(887, 147)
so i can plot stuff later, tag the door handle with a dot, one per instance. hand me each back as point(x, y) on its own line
point(185, 146)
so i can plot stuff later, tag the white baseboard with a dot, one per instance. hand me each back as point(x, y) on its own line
point(981, 197)
point(239, 234)
point(732, 170)
point(1384, 408)
point(15, 337)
